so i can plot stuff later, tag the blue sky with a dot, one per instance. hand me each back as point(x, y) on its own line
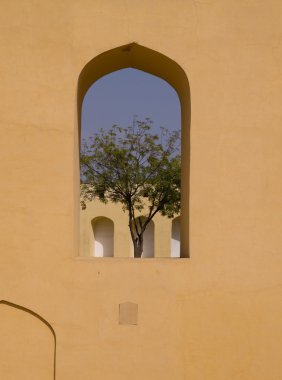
point(117, 97)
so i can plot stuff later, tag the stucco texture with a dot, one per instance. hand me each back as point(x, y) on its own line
point(213, 316)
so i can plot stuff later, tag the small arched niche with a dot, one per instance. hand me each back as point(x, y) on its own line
point(141, 58)
point(103, 237)
point(28, 344)
point(175, 237)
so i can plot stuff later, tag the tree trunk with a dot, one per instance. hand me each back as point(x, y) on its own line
point(138, 246)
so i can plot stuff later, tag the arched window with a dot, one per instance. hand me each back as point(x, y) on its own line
point(175, 237)
point(152, 62)
point(103, 237)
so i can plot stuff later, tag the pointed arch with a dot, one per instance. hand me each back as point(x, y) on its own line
point(148, 60)
point(41, 319)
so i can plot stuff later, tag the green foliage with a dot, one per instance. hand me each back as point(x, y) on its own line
point(136, 168)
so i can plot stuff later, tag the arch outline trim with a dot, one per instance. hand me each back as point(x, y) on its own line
point(43, 320)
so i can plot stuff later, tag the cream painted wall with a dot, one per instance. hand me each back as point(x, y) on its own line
point(215, 316)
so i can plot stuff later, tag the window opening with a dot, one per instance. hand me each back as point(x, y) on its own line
point(136, 57)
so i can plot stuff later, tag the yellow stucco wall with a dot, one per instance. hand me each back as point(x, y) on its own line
point(215, 316)
point(28, 347)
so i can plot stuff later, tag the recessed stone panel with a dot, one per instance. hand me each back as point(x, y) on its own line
point(128, 313)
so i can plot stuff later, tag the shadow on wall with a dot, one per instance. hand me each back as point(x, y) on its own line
point(28, 344)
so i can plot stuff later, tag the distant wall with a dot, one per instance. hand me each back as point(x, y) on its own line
point(104, 231)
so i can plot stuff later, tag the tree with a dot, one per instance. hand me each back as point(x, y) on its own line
point(134, 167)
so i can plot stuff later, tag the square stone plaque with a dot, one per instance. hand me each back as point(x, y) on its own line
point(128, 313)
